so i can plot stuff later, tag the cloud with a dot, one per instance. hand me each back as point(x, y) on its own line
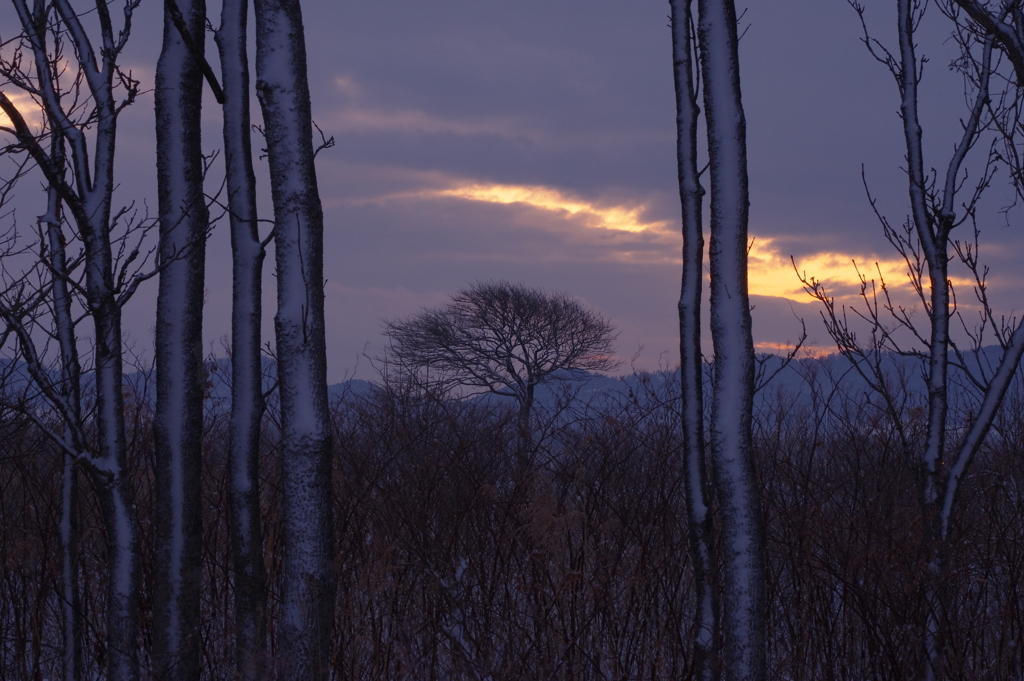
point(29, 108)
point(806, 350)
point(771, 273)
point(355, 113)
point(627, 231)
point(533, 223)
point(625, 218)
point(362, 119)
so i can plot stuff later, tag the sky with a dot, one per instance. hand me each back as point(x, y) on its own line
point(534, 141)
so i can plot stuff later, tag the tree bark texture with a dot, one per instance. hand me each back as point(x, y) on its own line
point(178, 422)
point(71, 394)
point(934, 237)
point(691, 194)
point(742, 527)
point(309, 586)
point(246, 363)
point(71, 597)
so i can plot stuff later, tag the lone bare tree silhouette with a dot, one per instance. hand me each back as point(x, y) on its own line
point(505, 339)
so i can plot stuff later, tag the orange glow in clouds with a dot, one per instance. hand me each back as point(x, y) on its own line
point(771, 273)
point(622, 218)
point(28, 107)
point(770, 270)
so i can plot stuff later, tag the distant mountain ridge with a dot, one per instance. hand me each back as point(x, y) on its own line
point(778, 380)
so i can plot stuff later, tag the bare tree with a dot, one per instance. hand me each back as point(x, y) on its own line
point(691, 195)
point(85, 119)
point(944, 458)
point(309, 582)
point(178, 423)
point(504, 339)
point(1003, 20)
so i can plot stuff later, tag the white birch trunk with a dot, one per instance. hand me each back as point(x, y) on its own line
point(309, 587)
point(178, 421)
point(246, 363)
point(691, 193)
point(735, 480)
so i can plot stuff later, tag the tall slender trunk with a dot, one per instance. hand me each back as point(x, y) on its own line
point(70, 392)
point(178, 423)
point(691, 194)
point(110, 465)
point(109, 469)
point(110, 473)
point(246, 363)
point(933, 236)
point(309, 582)
point(735, 480)
point(71, 596)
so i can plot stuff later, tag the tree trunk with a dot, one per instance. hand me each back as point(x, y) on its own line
point(246, 363)
point(309, 583)
point(71, 597)
point(178, 423)
point(934, 237)
point(524, 431)
point(110, 467)
point(742, 526)
point(691, 193)
point(70, 392)
point(71, 601)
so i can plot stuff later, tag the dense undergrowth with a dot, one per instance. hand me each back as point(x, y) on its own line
point(454, 561)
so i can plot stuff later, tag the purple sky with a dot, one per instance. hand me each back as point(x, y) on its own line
point(534, 141)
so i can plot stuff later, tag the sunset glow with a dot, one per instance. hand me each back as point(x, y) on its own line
point(771, 271)
point(29, 109)
point(622, 218)
point(770, 268)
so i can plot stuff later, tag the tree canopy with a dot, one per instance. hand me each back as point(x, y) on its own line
point(502, 338)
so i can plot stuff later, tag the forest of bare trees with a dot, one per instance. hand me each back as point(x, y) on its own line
point(452, 565)
point(742, 517)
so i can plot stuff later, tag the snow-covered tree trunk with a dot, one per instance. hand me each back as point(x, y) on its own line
point(246, 363)
point(70, 392)
point(742, 527)
point(110, 466)
point(933, 236)
point(89, 203)
point(691, 194)
point(307, 610)
point(178, 423)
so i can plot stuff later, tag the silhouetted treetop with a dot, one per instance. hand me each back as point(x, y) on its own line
point(503, 338)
